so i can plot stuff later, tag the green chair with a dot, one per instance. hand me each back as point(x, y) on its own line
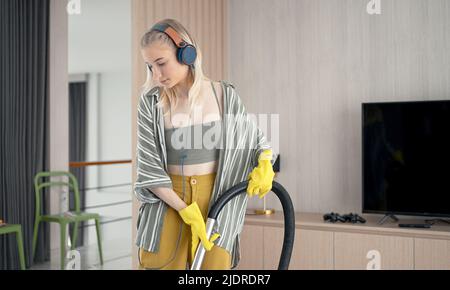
point(8, 229)
point(65, 218)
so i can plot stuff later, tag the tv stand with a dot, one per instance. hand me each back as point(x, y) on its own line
point(383, 219)
point(434, 221)
point(344, 246)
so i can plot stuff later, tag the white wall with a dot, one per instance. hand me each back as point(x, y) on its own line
point(314, 62)
point(99, 37)
point(100, 45)
point(58, 114)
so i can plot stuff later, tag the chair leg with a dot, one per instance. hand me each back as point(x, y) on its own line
point(35, 236)
point(20, 246)
point(99, 241)
point(74, 236)
point(63, 244)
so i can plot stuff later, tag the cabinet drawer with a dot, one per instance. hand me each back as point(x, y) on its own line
point(367, 251)
point(251, 246)
point(431, 254)
point(312, 249)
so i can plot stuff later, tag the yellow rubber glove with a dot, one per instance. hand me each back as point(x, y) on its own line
point(192, 216)
point(261, 177)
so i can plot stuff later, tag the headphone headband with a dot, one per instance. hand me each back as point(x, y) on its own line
point(165, 28)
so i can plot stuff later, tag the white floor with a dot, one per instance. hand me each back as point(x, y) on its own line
point(116, 244)
point(116, 256)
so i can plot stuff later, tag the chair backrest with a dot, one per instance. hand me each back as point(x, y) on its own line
point(39, 184)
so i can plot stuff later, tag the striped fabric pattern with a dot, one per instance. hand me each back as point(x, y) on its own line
point(242, 143)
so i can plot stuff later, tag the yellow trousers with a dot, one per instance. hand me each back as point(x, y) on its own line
point(175, 248)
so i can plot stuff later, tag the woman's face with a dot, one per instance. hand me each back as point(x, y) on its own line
point(166, 70)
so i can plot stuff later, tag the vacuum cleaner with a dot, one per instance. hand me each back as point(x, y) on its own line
point(241, 188)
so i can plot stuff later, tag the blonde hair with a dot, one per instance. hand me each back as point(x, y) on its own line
point(168, 95)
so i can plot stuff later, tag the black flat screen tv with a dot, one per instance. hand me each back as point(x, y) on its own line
point(406, 158)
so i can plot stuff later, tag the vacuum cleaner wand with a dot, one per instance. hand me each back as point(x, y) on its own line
point(289, 222)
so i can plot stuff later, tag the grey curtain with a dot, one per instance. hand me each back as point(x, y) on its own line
point(77, 143)
point(24, 28)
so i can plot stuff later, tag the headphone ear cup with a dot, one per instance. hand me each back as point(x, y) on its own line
point(187, 55)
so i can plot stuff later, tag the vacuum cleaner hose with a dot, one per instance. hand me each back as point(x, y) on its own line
point(288, 212)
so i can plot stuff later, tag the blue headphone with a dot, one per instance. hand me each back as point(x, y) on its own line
point(186, 53)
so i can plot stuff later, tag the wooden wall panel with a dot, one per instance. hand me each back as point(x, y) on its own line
point(314, 62)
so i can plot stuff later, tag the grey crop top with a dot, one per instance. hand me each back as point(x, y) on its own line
point(194, 144)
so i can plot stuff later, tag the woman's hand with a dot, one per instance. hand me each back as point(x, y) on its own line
point(192, 216)
point(261, 178)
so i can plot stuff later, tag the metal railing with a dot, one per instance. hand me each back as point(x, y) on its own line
point(103, 163)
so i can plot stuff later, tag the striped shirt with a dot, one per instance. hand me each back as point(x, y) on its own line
point(242, 142)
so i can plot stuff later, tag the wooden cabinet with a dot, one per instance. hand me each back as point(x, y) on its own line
point(261, 249)
point(251, 248)
point(431, 254)
point(372, 252)
point(320, 245)
point(317, 253)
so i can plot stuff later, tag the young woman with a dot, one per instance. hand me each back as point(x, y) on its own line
point(195, 141)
